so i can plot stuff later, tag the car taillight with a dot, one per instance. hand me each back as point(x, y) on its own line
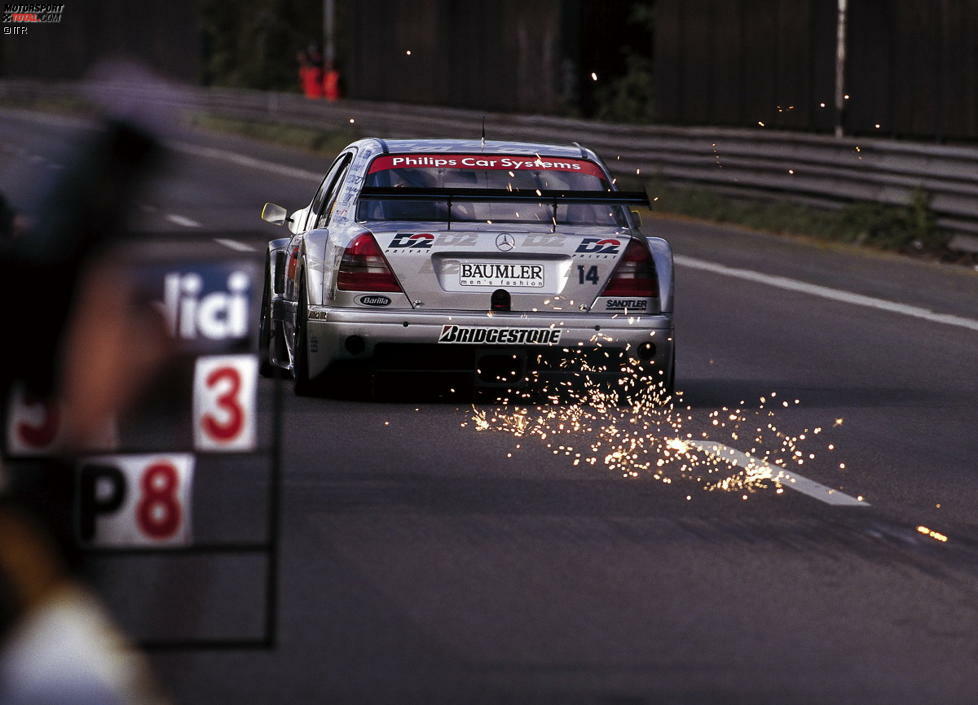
point(364, 267)
point(635, 274)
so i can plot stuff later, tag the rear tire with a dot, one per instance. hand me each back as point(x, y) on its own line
point(265, 366)
point(302, 385)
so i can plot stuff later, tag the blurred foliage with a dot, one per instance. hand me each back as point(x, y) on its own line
point(65, 105)
point(629, 97)
point(910, 228)
point(253, 43)
point(326, 141)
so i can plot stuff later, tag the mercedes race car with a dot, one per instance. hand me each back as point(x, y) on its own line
point(501, 263)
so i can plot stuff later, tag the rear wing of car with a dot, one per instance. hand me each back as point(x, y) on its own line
point(553, 197)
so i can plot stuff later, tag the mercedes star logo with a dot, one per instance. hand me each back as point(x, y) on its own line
point(505, 242)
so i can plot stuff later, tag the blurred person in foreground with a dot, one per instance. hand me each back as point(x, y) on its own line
point(91, 349)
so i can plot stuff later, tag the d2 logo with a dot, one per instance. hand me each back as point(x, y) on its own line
point(225, 389)
point(135, 500)
point(595, 246)
point(416, 240)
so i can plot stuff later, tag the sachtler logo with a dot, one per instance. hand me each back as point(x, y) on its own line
point(31, 13)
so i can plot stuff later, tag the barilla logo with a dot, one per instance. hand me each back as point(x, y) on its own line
point(217, 315)
point(415, 240)
point(373, 300)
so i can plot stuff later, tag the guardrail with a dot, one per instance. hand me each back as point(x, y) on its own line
point(814, 169)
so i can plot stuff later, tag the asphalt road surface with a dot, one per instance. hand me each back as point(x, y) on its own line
point(423, 560)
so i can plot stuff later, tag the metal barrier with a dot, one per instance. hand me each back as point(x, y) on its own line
point(814, 169)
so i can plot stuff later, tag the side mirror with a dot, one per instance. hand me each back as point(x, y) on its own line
point(274, 214)
point(638, 218)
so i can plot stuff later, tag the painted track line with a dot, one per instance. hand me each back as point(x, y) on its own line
point(827, 293)
point(234, 245)
point(763, 470)
point(182, 221)
point(246, 161)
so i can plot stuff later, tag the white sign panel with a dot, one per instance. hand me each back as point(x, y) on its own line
point(135, 500)
point(34, 426)
point(225, 404)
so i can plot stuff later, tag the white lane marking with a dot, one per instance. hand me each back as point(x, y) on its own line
point(180, 220)
point(234, 245)
point(827, 293)
point(48, 118)
point(762, 470)
point(244, 160)
point(176, 145)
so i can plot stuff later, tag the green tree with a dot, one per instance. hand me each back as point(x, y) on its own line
point(629, 97)
point(253, 43)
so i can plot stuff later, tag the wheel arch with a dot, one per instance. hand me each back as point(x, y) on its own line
point(664, 270)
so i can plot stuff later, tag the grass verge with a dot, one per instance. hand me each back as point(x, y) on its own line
point(329, 142)
point(66, 105)
point(909, 229)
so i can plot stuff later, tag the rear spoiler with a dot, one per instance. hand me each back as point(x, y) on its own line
point(503, 195)
point(556, 197)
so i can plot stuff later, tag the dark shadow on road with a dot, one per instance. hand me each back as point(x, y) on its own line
point(746, 393)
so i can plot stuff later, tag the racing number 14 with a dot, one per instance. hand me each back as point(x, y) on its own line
point(590, 276)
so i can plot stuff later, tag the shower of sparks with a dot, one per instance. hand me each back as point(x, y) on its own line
point(611, 410)
point(937, 536)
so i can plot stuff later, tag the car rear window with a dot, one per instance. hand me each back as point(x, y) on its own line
point(490, 171)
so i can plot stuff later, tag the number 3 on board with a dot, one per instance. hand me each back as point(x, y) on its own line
point(33, 425)
point(225, 403)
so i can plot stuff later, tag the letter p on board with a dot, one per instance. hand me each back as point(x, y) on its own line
point(135, 500)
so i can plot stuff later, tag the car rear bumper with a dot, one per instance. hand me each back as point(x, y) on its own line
point(415, 341)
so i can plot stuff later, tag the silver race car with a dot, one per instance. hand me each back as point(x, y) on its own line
point(501, 263)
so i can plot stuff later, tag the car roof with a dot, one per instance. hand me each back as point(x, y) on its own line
point(406, 146)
